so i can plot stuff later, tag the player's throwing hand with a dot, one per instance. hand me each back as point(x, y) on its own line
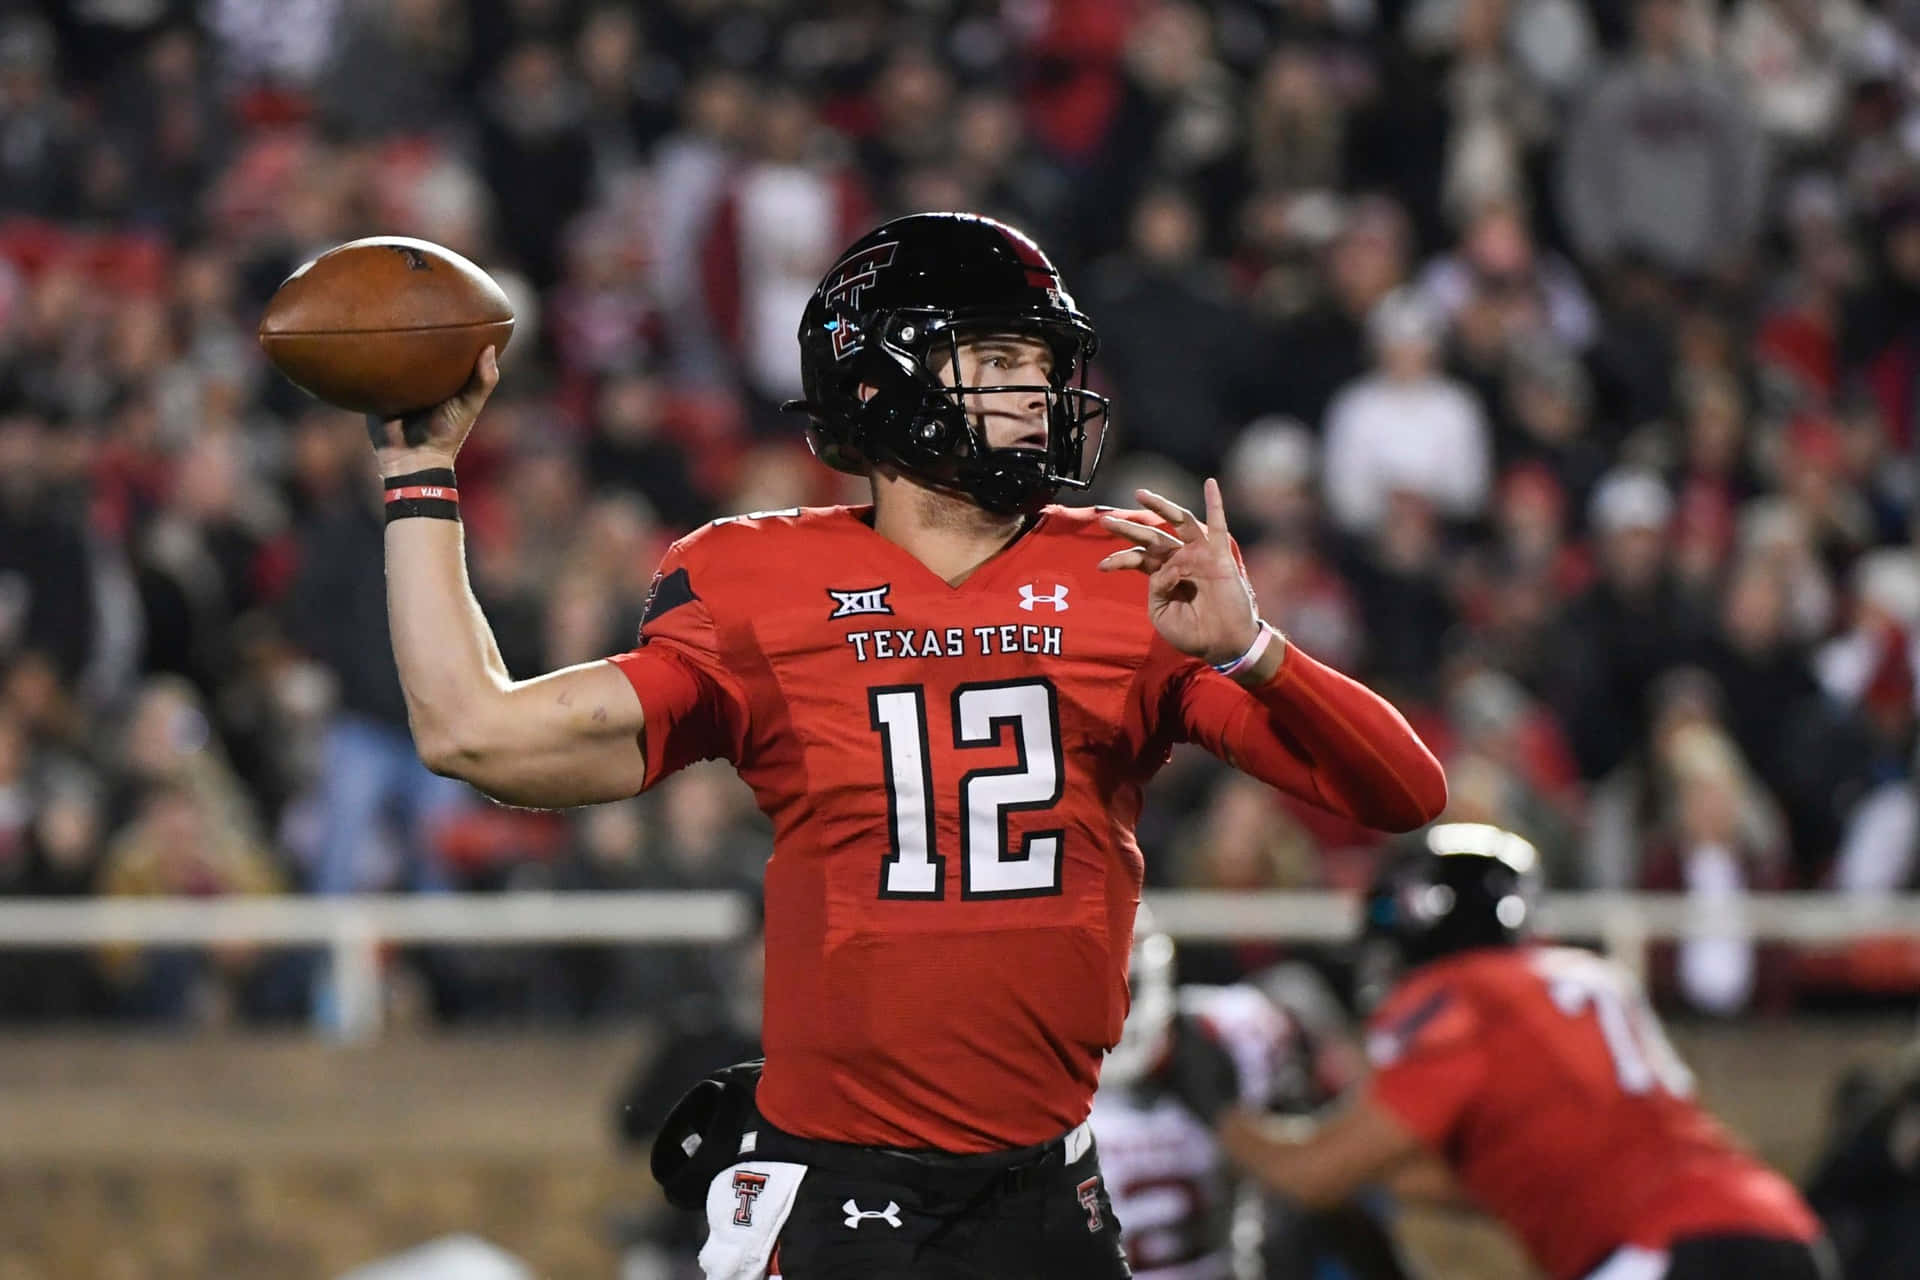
point(442, 429)
point(1197, 594)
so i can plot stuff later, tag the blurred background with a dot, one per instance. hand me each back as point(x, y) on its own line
point(1560, 359)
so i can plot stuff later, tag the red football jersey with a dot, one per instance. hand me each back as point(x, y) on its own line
point(953, 775)
point(1543, 1079)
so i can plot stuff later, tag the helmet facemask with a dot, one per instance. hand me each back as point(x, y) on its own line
point(936, 430)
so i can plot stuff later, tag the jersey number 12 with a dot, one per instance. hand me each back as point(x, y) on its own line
point(982, 714)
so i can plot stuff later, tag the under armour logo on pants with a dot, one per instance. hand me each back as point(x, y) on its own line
point(856, 1215)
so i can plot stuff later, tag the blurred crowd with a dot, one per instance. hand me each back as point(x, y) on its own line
point(1560, 358)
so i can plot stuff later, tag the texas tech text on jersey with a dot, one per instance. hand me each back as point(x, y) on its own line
point(953, 642)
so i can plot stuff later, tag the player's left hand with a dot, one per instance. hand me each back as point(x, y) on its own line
point(1197, 595)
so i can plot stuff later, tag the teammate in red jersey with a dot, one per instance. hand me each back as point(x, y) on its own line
point(1543, 1081)
point(948, 704)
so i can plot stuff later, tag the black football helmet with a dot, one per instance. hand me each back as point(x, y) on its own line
point(1464, 885)
point(902, 296)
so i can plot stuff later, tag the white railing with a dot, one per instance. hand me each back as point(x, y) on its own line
point(353, 929)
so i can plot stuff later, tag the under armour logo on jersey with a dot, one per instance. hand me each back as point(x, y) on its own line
point(870, 600)
point(1029, 597)
point(856, 1215)
point(747, 1186)
point(1089, 1192)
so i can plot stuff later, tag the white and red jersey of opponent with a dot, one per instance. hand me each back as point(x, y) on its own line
point(1180, 1208)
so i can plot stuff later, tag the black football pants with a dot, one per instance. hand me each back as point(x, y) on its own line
point(1746, 1257)
point(1040, 1213)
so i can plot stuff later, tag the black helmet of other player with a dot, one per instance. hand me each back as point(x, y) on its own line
point(1465, 885)
point(892, 313)
point(1148, 1032)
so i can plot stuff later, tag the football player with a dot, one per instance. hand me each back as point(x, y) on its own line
point(1185, 1213)
point(948, 702)
point(1539, 1076)
point(1866, 1182)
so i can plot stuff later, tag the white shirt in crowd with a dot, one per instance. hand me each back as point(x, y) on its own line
point(1427, 436)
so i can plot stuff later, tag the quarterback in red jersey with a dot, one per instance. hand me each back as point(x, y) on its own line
point(1542, 1080)
point(948, 703)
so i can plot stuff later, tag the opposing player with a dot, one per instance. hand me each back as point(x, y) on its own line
point(1542, 1079)
point(1184, 1211)
point(948, 710)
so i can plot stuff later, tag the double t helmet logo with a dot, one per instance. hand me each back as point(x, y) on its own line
point(850, 280)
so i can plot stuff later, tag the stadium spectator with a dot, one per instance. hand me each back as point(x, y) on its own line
point(999, 164)
point(1792, 57)
point(1406, 428)
point(1625, 630)
point(537, 155)
point(1717, 841)
point(913, 105)
point(1187, 402)
point(1327, 343)
point(1172, 126)
point(1397, 575)
point(178, 844)
point(45, 566)
point(1662, 159)
point(1545, 422)
point(336, 607)
point(1497, 264)
point(1871, 671)
point(396, 69)
point(776, 228)
point(40, 138)
point(630, 87)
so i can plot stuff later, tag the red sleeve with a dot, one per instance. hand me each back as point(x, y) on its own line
point(1317, 734)
point(1428, 1058)
point(694, 707)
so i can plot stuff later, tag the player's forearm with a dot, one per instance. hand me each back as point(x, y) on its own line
point(1365, 760)
point(1272, 1149)
point(1424, 1179)
point(565, 738)
point(1317, 1161)
point(450, 667)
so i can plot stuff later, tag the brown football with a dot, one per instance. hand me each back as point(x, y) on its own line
point(386, 325)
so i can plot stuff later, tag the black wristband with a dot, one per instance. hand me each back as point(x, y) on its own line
point(432, 493)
